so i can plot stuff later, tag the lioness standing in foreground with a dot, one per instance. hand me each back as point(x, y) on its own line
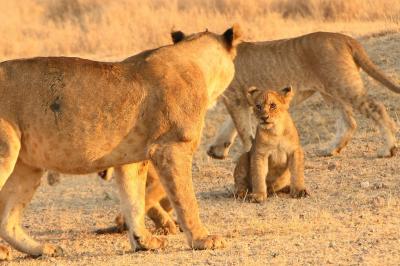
point(79, 116)
point(276, 159)
point(323, 62)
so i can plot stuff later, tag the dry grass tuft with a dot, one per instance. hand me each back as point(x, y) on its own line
point(116, 29)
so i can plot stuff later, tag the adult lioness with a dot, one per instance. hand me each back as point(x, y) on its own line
point(79, 116)
point(322, 62)
point(275, 160)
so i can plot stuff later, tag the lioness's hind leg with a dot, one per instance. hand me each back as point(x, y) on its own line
point(387, 126)
point(223, 141)
point(131, 181)
point(240, 112)
point(346, 125)
point(14, 197)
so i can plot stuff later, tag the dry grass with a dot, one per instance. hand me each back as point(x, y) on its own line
point(116, 29)
point(342, 223)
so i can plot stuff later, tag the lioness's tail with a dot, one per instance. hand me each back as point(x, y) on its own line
point(362, 60)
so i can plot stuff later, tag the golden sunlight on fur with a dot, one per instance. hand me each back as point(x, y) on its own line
point(323, 62)
point(84, 116)
point(275, 161)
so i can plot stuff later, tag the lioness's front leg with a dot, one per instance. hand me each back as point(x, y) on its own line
point(296, 167)
point(131, 181)
point(173, 163)
point(258, 172)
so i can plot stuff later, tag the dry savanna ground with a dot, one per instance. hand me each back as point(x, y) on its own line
point(353, 214)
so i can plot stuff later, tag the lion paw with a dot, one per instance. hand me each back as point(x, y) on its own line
point(299, 193)
point(328, 152)
point(258, 197)
point(5, 253)
point(49, 250)
point(216, 152)
point(150, 243)
point(209, 242)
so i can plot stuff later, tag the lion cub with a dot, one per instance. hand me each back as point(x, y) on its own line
point(276, 160)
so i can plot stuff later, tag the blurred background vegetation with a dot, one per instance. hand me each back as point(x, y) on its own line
point(111, 30)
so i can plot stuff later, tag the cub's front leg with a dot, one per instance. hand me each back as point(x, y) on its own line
point(296, 168)
point(258, 173)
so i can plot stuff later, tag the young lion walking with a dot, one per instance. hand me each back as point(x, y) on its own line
point(275, 160)
point(324, 62)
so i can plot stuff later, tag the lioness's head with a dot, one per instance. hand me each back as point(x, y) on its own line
point(229, 39)
point(269, 105)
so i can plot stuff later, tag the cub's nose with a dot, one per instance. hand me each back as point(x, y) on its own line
point(265, 118)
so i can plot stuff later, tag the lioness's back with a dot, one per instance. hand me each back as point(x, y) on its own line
point(295, 60)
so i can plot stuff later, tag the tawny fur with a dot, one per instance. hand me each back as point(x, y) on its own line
point(78, 116)
point(327, 63)
point(275, 160)
point(157, 206)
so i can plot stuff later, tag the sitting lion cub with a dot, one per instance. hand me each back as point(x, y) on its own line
point(276, 160)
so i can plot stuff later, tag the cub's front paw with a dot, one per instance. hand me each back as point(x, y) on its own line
point(258, 197)
point(299, 193)
point(209, 242)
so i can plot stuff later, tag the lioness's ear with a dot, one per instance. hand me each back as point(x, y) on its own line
point(177, 36)
point(287, 94)
point(251, 93)
point(232, 36)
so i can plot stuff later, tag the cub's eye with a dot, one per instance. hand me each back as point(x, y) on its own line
point(259, 107)
point(272, 106)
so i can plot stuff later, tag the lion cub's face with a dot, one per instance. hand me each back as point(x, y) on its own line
point(269, 106)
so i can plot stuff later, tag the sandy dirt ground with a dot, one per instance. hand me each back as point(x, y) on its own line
point(353, 216)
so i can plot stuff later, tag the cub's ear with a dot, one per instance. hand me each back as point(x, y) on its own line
point(250, 94)
point(287, 94)
point(232, 36)
point(177, 36)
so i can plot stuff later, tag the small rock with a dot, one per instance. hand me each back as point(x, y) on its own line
point(365, 184)
point(332, 244)
point(332, 166)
